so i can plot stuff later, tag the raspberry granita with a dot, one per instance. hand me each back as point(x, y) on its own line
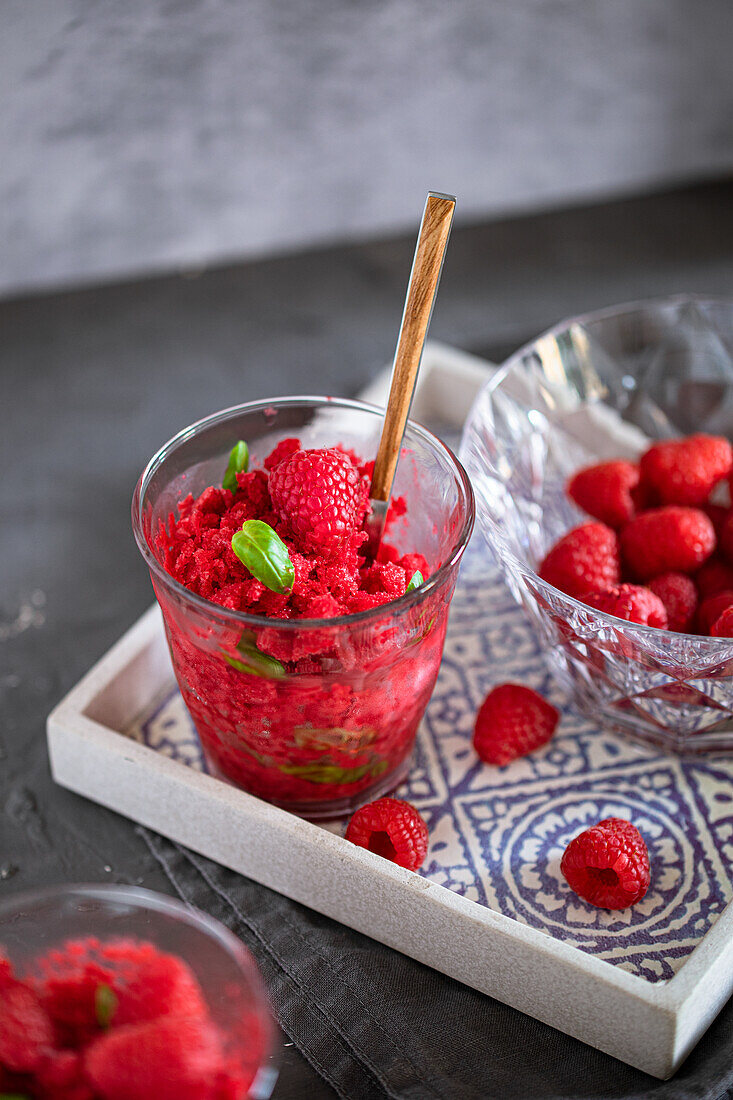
point(119, 1020)
point(306, 666)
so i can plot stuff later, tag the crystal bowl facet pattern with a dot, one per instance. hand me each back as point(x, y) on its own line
point(594, 388)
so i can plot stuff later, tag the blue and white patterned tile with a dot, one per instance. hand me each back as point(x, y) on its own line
point(710, 783)
point(522, 834)
point(497, 834)
point(166, 726)
point(426, 782)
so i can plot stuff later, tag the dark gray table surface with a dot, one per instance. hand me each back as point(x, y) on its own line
point(93, 380)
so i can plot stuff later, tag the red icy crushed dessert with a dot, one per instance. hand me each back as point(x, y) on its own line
point(305, 678)
point(310, 510)
point(120, 1020)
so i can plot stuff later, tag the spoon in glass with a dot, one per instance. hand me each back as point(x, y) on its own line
point(422, 289)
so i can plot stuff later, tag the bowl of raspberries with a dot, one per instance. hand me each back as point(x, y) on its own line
point(602, 464)
point(116, 993)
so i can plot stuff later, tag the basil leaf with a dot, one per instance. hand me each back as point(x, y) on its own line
point(256, 663)
point(238, 464)
point(326, 773)
point(415, 581)
point(14, 1096)
point(105, 1004)
point(331, 773)
point(261, 550)
point(319, 772)
point(311, 737)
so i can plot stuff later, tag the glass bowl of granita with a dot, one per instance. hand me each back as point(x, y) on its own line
point(111, 992)
point(305, 664)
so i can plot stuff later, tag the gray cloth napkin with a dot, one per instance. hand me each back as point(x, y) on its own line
point(375, 1023)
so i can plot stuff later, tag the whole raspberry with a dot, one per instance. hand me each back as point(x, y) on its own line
point(608, 864)
point(715, 576)
point(393, 829)
point(712, 608)
point(319, 495)
point(670, 539)
point(604, 491)
point(631, 602)
point(723, 626)
point(585, 558)
point(679, 596)
point(513, 720)
point(685, 471)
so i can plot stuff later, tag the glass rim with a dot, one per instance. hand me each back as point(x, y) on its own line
point(401, 605)
point(613, 620)
point(515, 359)
point(601, 314)
point(140, 898)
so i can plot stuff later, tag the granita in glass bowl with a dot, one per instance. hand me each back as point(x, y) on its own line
point(116, 993)
point(305, 665)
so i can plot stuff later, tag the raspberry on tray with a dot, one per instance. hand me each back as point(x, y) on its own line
point(513, 720)
point(608, 864)
point(393, 829)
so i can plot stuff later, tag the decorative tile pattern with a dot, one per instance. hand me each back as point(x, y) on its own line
point(497, 834)
point(167, 727)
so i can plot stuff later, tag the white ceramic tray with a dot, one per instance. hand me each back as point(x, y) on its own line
point(490, 907)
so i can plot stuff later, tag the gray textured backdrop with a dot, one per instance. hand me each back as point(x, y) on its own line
point(138, 135)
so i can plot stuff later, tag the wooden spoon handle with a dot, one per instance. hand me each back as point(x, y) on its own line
point(422, 288)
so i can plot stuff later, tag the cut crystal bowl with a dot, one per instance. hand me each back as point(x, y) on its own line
point(594, 388)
